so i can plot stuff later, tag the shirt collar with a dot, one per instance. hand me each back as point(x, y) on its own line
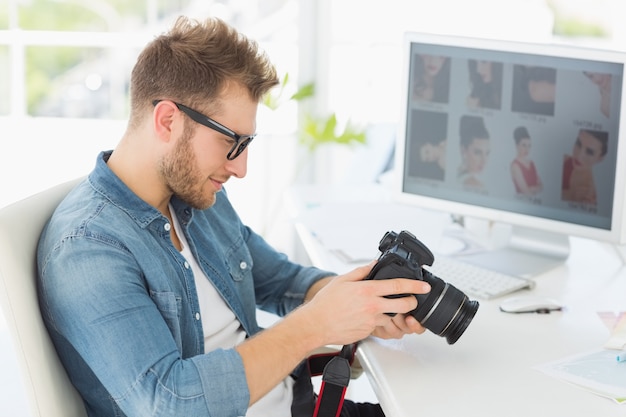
point(111, 187)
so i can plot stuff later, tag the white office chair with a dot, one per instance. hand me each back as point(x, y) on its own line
point(46, 383)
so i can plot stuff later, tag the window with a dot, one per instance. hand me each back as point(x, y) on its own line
point(64, 75)
point(72, 58)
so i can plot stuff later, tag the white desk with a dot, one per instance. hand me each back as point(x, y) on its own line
point(489, 371)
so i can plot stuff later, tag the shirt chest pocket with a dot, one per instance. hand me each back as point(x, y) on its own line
point(239, 262)
point(169, 305)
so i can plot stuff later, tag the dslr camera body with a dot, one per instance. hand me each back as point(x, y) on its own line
point(445, 310)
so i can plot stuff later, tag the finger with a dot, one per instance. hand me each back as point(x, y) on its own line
point(395, 286)
point(389, 330)
point(400, 321)
point(413, 325)
point(398, 327)
point(359, 273)
point(399, 304)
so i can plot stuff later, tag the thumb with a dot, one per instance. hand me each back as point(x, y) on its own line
point(360, 273)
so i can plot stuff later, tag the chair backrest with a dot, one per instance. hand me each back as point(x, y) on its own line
point(46, 383)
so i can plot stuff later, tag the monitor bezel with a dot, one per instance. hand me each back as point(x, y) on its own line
point(617, 232)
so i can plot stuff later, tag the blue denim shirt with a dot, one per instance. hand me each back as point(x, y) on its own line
point(120, 302)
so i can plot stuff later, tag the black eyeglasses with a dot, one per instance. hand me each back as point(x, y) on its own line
point(241, 141)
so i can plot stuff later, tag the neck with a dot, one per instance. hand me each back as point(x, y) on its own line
point(138, 169)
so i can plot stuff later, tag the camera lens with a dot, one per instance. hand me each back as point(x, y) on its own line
point(445, 310)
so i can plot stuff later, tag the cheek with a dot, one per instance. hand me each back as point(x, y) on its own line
point(589, 160)
point(207, 155)
point(474, 161)
point(206, 165)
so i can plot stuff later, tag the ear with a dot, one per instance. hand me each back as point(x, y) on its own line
point(165, 119)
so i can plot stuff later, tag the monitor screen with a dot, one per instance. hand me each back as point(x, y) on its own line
point(524, 134)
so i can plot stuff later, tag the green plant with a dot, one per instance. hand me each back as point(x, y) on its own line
point(274, 100)
point(569, 25)
point(316, 131)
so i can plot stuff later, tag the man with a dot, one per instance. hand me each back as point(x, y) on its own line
point(148, 280)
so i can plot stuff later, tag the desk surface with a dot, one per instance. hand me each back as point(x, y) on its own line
point(490, 371)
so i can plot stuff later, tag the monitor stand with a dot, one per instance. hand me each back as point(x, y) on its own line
point(513, 250)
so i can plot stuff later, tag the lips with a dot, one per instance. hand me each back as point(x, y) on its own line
point(216, 184)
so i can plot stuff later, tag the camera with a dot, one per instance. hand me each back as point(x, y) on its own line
point(445, 310)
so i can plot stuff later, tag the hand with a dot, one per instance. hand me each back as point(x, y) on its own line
point(348, 309)
point(398, 326)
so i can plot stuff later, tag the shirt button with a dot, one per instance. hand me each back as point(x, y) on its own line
point(197, 316)
point(186, 265)
point(167, 227)
point(243, 265)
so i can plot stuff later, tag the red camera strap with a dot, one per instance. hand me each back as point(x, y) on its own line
point(335, 371)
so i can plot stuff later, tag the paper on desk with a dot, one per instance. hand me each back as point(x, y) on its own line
point(597, 371)
point(353, 230)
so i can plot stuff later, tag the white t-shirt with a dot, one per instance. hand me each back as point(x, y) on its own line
point(223, 331)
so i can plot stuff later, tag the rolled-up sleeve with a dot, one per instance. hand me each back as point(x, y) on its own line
point(280, 285)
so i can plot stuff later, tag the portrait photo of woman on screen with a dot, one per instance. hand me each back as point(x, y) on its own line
point(485, 79)
point(431, 78)
point(428, 144)
point(475, 146)
point(523, 170)
point(534, 90)
point(603, 81)
point(578, 184)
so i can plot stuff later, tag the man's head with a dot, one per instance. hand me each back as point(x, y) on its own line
point(193, 63)
point(194, 97)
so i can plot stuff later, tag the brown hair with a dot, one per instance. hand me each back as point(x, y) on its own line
point(194, 61)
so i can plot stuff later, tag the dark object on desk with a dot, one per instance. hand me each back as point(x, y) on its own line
point(445, 310)
point(530, 304)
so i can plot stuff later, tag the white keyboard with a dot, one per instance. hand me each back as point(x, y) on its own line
point(475, 281)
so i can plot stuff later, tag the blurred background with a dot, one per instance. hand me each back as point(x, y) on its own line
point(65, 65)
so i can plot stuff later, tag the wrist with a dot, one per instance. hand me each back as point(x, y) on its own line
point(316, 287)
point(305, 329)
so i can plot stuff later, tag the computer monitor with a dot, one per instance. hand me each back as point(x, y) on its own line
point(522, 135)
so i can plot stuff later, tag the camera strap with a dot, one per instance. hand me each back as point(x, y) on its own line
point(335, 371)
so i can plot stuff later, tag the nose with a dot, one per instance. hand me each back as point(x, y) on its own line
point(238, 167)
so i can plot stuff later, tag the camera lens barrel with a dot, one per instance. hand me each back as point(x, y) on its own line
point(445, 310)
